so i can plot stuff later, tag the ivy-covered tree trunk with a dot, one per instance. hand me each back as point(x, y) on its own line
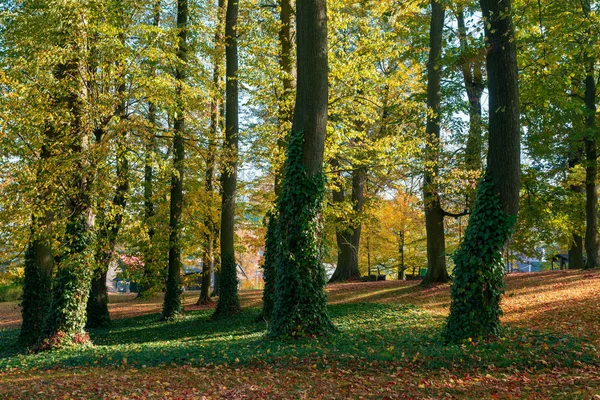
point(39, 259)
point(66, 321)
point(348, 237)
point(215, 127)
point(229, 303)
point(286, 114)
point(300, 301)
point(148, 280)
point(172, 304)
point(434, 214)
point(478, 275)
point(591, 152)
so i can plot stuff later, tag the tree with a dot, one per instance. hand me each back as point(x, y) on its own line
point(300, 301)
point(172, 303)
point(229, 302)
point(591, 152)
point(285, 117)
point(434, 214)
point(478, 275)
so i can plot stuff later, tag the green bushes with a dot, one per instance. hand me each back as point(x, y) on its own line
point(10, 292)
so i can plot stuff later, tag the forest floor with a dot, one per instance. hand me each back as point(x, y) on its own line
point(388, 345)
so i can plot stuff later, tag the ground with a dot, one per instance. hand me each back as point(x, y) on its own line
point(388, 345)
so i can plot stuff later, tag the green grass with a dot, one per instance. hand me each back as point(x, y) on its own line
point(10, 293)
point(368, 334)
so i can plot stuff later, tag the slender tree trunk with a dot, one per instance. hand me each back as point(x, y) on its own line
point(348, 238)
point(576, 246)
point(300, 301)
point(591, 168)
point(472, 71)
point(39, 259)
point(434, 214)
point(148, 280)
point(478, 279)
point(215, 125)
point(286, 114)
point(172, 304)
point(229, 302)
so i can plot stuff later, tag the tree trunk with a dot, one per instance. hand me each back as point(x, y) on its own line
point(172, 304)
point(66, 321)
point(348, 237)
point(229, 303)
point(286, 114)
point(148, 281)
point(215, 124)
point(591, 168)
point(434, 214)
point(478, 276)
point(472, 71)
point(576, 245)
point(39, 260)
point(300, 301)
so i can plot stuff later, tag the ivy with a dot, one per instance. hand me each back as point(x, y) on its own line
point(229, 301)
point(172, 307)
point(478, 275)
point(66, 321)
point(269, 266)
point(300, 301)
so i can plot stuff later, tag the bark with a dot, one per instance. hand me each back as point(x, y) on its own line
point(229, 302)
point(172, 303)
point(576, 246)
point(215, 124)
point(149, 278)
point(348, 237)
point(434, 214)
point(286, 114)
point(39, 259)
point(472, 71)
point(591, 168)
point(504, 155)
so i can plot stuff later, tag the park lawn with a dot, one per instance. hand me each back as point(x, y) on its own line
point(388, 344)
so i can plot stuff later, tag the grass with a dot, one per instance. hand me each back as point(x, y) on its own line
point(388, 344)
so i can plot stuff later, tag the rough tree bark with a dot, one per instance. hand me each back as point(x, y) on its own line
point(434, 214)
point(591, 153)
point(172, 303)
point(229, 303)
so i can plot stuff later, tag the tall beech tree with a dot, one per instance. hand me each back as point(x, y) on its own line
point(434, 213)
point(209, 178)
point(147, 280)
point(348, 233)
point(300, 301)
point(478, 275)
point(591, 151)
point(285, 118)
point(229, 303)
point(172, 304)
